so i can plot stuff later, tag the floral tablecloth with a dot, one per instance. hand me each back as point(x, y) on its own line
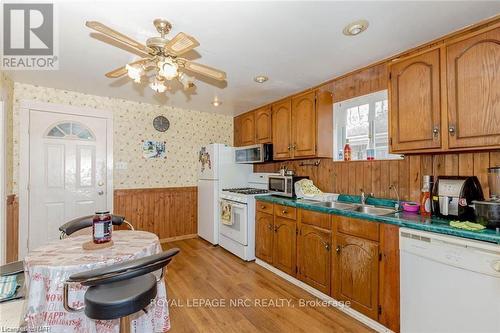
point(49, 266)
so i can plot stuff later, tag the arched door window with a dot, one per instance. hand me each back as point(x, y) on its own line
point(70, 130)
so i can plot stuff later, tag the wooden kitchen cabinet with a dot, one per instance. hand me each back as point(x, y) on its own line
point(237, 131)
point(415, 103)
point(284, 244)
point(264, 234)
point(389, 299)
point(473, 85)
point(314, 257)
point(356, 273)
point(263, 130)
point(281, 130)
point(247, 129)
point(304, 125)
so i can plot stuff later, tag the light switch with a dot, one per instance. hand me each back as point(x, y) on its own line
point(121, 165)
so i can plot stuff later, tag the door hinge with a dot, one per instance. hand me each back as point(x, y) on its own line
point(380, 257)
point(380, 309)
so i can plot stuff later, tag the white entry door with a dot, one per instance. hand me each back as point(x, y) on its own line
point(67, 171)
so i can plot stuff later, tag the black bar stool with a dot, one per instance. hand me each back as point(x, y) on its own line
point(120, 290)
point(86, 222)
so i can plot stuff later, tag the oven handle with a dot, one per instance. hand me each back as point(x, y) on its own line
point(233, 203)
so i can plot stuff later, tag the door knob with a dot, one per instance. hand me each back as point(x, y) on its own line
point(338, 249)
point(435, 131)
point(100, 192)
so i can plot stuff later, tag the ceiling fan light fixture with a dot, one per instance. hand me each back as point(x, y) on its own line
point(186, 81)
point(260, 78)
point(135, 72)
point(355, 28)
point(168, 69)
point(158, 85)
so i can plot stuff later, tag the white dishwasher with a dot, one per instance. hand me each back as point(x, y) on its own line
point(448, 284)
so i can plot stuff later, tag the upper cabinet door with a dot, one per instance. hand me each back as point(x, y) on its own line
point(304, 125)
point(247, 129)
point(237, 131)
point(415, 112)
point(281, 125)
point(473, 74)
point(263, 125)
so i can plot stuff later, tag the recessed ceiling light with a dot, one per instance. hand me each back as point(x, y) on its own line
point(355, 28)
point(216, 102)
point(260, 78)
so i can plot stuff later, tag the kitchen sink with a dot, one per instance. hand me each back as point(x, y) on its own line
point(336, 204)
point(374, 210)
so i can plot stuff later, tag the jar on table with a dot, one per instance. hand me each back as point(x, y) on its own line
point(102, 227)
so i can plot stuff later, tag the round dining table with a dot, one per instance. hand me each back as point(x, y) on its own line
point(48, 267)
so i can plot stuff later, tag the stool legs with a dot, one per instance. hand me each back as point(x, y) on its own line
point(125, 324)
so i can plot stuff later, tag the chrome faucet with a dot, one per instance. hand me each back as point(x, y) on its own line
point(398, 202)
point(365, 196)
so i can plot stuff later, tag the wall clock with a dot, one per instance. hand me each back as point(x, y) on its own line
point(161, 123)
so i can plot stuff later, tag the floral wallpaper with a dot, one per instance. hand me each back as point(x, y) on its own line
point(7, 96)
point(132, 123)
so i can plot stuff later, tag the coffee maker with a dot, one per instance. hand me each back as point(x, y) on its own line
point(452, 196)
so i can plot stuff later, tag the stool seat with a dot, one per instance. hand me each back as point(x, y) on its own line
point(120, 299)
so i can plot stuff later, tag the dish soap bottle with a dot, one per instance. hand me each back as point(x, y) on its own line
point(425, 196)
point(347, 151)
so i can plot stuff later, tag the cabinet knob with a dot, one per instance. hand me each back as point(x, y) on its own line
point(284, 212)
point(262, 207)
point(338, 249)
point(294, 146)
point(289, 147)
point(270, 226)
point(451, 129)
point(435, 131)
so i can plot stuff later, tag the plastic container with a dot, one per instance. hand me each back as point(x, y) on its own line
point(102, 227)
point(411, 207)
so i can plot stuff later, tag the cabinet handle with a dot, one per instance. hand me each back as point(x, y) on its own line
point(284, 212)
point(451, 129)
point(270, 226)
point(435, 131)
point(326, 245)
point(338, 249)
point(289, 147)
point(262, 207)
point(294, 146)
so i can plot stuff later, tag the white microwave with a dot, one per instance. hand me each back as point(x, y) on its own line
point(254, 154)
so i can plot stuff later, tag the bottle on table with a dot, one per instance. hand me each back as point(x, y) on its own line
point(102, 227)
point(425, 196)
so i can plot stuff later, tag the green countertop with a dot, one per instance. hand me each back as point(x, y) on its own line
point(402, 219)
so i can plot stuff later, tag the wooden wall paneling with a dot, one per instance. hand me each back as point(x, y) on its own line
point(393, 178)
point(168, 212)
point(426, 164)
point(376, 174)
point(363, 82)
point(451, 164)
point(438, 165)
point(359, 166)
point(466, 164)
point(12, 229)
point(481, 165)
point(385, 180)
point(367, 177)
point(352, 179)
point(404, 178)
point(494, 158)
point(414, 178)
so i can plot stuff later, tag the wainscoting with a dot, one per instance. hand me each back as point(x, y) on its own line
point(12, 231)
point(170, 213)
point(377, 176)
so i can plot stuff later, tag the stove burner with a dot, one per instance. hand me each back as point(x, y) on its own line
point(246, 190)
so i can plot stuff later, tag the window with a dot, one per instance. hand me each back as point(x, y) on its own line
point(70, 130)
point(363, 122)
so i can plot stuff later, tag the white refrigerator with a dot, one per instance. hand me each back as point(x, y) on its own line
point(216, 171)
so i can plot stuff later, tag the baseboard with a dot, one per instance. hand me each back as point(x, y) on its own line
point(178, 238)
point(347, 310)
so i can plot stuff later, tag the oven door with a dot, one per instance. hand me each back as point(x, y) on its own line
point(249, 154)
point(238, 229)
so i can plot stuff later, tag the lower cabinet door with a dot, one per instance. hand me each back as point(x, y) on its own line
point(356, 273)
point(264, 233)
point(313, 257)
point(284, 243)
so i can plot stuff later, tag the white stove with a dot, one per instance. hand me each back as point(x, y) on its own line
point(238, 236)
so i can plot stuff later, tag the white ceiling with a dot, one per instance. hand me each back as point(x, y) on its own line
point(297, 44)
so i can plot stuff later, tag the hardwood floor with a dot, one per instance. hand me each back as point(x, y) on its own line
point(202, 272)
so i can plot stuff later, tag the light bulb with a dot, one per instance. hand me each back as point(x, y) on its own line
point(158, 85)
point(186, 81)
point(135, 72)
point(168, 69)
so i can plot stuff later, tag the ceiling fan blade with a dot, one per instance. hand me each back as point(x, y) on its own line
point(99, 27)
point(204, 70)
point(116, 73)
point(181, 43)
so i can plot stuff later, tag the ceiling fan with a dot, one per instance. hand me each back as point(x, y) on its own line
point(161, 56)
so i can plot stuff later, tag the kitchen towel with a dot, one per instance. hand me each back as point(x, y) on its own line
point(8, 287)
point(225, 213)
point(467, 225)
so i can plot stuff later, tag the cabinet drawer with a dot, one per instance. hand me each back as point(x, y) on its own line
point(310, 217)
point(360, 228)
point(264, 207)
point(285, 211)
